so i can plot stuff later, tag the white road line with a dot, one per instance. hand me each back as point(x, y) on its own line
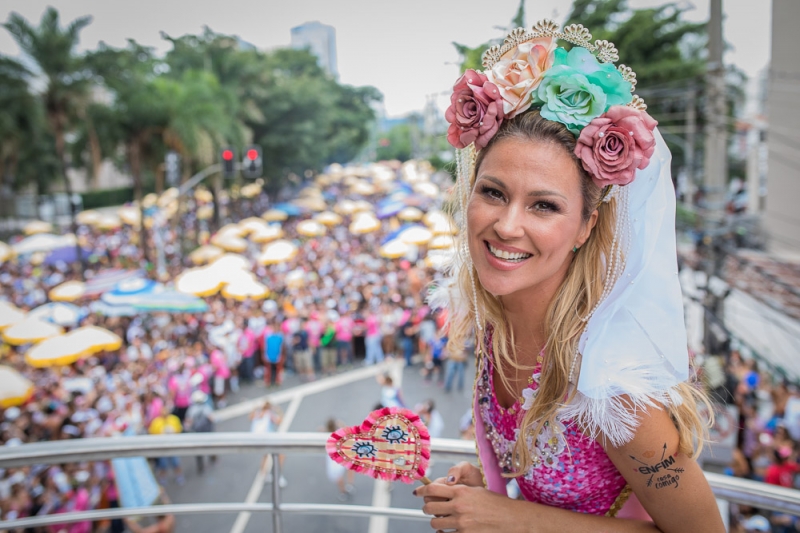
point(381, 497)
point(258, 483)
point(247, 406)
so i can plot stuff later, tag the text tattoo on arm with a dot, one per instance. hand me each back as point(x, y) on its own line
point(661, 473)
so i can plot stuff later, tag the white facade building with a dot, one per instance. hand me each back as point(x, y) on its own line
point(320, 39)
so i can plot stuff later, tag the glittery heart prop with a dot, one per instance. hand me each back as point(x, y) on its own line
point(391, 444)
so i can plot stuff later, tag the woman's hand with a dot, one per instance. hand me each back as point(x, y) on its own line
point(463, 473)
point(467, 509)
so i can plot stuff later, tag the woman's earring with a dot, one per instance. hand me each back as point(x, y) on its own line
point(575, 249)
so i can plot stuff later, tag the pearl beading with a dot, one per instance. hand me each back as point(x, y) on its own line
point(465, 160)
point(615, 264)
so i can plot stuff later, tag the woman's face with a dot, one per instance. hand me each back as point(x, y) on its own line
point(524, 217)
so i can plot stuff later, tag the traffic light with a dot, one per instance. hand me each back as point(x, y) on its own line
point(252, 164)
point(172, 168)
point(228, 162)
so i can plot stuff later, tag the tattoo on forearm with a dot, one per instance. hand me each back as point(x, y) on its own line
point(661, 472)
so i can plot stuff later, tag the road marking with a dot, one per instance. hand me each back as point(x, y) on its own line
point(247, 406)
point(258, 483)
point(381, 497)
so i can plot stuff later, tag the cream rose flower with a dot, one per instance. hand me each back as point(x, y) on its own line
point(519, 72)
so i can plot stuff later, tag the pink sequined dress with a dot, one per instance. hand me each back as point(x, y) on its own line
point(569, 471)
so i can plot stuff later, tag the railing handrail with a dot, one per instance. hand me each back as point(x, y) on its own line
point(732, 489)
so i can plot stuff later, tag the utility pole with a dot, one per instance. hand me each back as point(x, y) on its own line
point(716, 170)
point(689, 142)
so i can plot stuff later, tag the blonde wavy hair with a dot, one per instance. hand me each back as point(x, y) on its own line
point(574, 299)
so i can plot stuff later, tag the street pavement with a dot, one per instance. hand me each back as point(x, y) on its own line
point(233, 477)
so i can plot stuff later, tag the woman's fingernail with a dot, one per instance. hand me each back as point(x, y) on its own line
point(415, 492)
point(451, 479)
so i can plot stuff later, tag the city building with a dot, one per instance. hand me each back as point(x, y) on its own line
point(320, 39)
point(781, 216)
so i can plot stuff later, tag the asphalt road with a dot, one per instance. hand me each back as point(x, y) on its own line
point(232, 478)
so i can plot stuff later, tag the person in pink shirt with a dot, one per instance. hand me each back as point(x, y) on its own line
point(247, 345)
point(314, 329)
point(344, 338)
point(180, 388)
point(372, 340)
point(221, 373)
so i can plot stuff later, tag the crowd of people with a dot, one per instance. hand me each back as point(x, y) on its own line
point(352, 307)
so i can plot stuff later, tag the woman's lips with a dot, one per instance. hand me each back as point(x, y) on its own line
point(502, 264)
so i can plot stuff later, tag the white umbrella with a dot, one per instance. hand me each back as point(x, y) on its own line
point(394, 249)
point(229, 242)
point(441, 242)
point(410, 214)
point(15, 389)
point(204, 212)
point(44, 242)
point(252, 225)
point(130, 215)
point(30, 330)
point(311, 228)
point(230, 262)
point(5, 252)
point(88, 217)
point(439, 259)
point(427, 188)
point(198, 281)
point(9, 314)
point(363, 205)
point(440, 223)
point(296, 278)
point(244, 289)
point(68, 291)
point(108, 222)
point(345, 207)
point(270, 233)
point(329, 218)
point(206, 253)
point(277, 252)
point(37, 226)
point(60, 313)
point(251, 190)
point(275, 215)
point(416, 235)
point(364, 223)
point(68, 348)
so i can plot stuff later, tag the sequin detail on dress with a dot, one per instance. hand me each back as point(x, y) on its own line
point(569, 470)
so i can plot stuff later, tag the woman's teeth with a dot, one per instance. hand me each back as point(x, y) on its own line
point(507, 256)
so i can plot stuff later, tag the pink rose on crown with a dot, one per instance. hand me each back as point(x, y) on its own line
point(476, 111)
point(615, 144)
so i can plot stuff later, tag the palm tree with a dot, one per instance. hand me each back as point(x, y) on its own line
point(53, 50)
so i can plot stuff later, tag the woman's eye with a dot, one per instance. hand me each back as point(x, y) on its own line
point(492, 193)
point(545, 206)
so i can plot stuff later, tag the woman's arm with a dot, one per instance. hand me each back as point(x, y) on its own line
point(670, 486)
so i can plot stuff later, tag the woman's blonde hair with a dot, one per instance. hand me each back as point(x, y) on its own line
point(575, 298)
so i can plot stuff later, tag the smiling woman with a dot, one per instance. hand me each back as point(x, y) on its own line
point(568, 259)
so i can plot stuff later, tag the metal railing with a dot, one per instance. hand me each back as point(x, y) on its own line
point(731, 489)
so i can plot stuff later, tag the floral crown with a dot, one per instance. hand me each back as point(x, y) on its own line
point(580, 89)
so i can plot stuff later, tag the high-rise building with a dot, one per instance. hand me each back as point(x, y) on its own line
point(320, 39)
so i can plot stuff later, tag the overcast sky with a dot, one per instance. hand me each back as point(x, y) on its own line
point(402, 47)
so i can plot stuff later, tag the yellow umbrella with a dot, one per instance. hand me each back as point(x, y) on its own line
point(88, 217)
point(68, 348)
point(311, 203)
point(5, 252)
point(36, 227)
point(9, 315)
point(439, 259)
point(244, 289)
point(252, 225)
point(30, 330)
point(363, 205)
point(203, 195)
point(364, 223)
point(149, 200)
point(230, 262)
point(274, 215)
point(296, 279)
point(345, 207)
point(416, 235)
point(205, 212)
point(198, 281)
point(167, 197)
point(267, 234)
point(427, 188)
point(441, 242)
point(130, 215)
point(108, 222)
point(229, 242)
point(205, 254)
point(329, 218)
point(251, 190)
point(363, 188)
point(410, 214)
point(394, 249)
point(277, 252)
point(69, 291)
point(311, 228)
point(232, 229)
point(15, 389)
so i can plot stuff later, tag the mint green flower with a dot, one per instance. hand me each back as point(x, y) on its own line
point(578, 88)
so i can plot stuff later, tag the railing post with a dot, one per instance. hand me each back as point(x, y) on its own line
point(277, 523)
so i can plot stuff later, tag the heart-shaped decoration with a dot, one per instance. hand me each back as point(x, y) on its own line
point(391, 444)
